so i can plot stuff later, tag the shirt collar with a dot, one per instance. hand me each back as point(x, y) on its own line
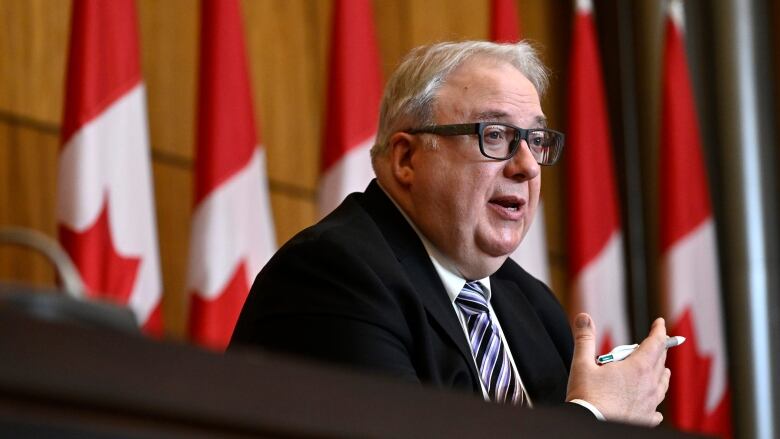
point(445, 268)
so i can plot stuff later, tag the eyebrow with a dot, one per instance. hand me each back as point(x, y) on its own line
point(487, 116)
point(501, 116)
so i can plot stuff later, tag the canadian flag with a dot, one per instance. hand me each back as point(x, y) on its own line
point(105, 200)
point(532, 252)
point(232, 228)
point(595, 239)
point(354, 92)
point(698, 398)
point(504, 21)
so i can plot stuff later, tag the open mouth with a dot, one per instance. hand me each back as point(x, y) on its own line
point(512, 204)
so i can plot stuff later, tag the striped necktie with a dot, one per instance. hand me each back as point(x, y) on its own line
point(492, 360)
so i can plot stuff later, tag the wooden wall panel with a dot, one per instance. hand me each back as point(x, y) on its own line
point(169, 44)
point(392, 38)
point(28, 173)
point(287, 65)
point(173, 196)
point(287, 44)
point(441, 20)
point(33, 38)
point(291, 215)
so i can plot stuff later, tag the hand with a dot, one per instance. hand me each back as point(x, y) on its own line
point(624, 391)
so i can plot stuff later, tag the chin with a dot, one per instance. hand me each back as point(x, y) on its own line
point(502, 248)
point(483, 265)
point(500, 239)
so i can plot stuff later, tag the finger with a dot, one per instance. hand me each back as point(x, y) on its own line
point(661, 363)
point(657, 419)
point(665, 379)
point(655, 343)
point(658, 329)
point(662, 387)
point(584, 339)
point(660, 358)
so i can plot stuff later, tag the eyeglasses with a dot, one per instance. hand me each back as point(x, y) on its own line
point(500, 141)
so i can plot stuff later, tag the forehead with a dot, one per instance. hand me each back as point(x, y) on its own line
point(488, 89)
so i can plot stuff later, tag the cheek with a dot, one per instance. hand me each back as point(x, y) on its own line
point(462, 191)
point(471, 201)
point(534, 193)
point(441, 197)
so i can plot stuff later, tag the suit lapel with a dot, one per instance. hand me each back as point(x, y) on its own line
point(436, 301)
point(417, 264)
point(532, 349)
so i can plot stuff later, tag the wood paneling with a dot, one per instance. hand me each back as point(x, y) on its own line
point(287, 45)
point(169, 57)
point(392, 39)
point(291, 215)
point(287, 64)
point(437, 20)
point(33, 39)
point(28, 173)
point(173, 196)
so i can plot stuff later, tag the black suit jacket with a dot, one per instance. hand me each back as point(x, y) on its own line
point(359, 289)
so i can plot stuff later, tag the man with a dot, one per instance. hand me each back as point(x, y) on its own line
point(411, 277)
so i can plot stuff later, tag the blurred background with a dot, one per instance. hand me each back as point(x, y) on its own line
point(733, 53)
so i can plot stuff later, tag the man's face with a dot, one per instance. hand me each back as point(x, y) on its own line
point(474, 209)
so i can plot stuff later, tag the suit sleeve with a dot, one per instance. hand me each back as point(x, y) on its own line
point(319, 300)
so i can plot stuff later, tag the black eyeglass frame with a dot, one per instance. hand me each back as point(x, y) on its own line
point(477, 128)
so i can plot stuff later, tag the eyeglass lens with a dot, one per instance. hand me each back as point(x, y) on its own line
point(500, 142)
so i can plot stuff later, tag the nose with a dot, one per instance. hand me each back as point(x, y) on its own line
point(522, 166)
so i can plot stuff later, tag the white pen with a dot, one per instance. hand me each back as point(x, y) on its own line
point(623, 351)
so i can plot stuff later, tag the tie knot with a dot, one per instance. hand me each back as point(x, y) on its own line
point(472, 298)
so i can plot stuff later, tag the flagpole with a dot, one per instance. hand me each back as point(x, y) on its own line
point(632, 174)
point(745, 231)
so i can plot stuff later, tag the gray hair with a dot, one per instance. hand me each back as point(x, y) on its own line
point(411, 90)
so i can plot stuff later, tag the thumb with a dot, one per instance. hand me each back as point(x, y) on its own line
point(584, 339)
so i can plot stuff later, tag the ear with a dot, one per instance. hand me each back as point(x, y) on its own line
point(402, 148)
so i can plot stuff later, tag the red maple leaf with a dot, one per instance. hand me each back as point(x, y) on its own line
point(687, 395)
point(212, 321)
point(106, 273)
point(154, 324)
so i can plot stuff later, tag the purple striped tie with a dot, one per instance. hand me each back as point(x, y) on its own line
point(495, 370)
